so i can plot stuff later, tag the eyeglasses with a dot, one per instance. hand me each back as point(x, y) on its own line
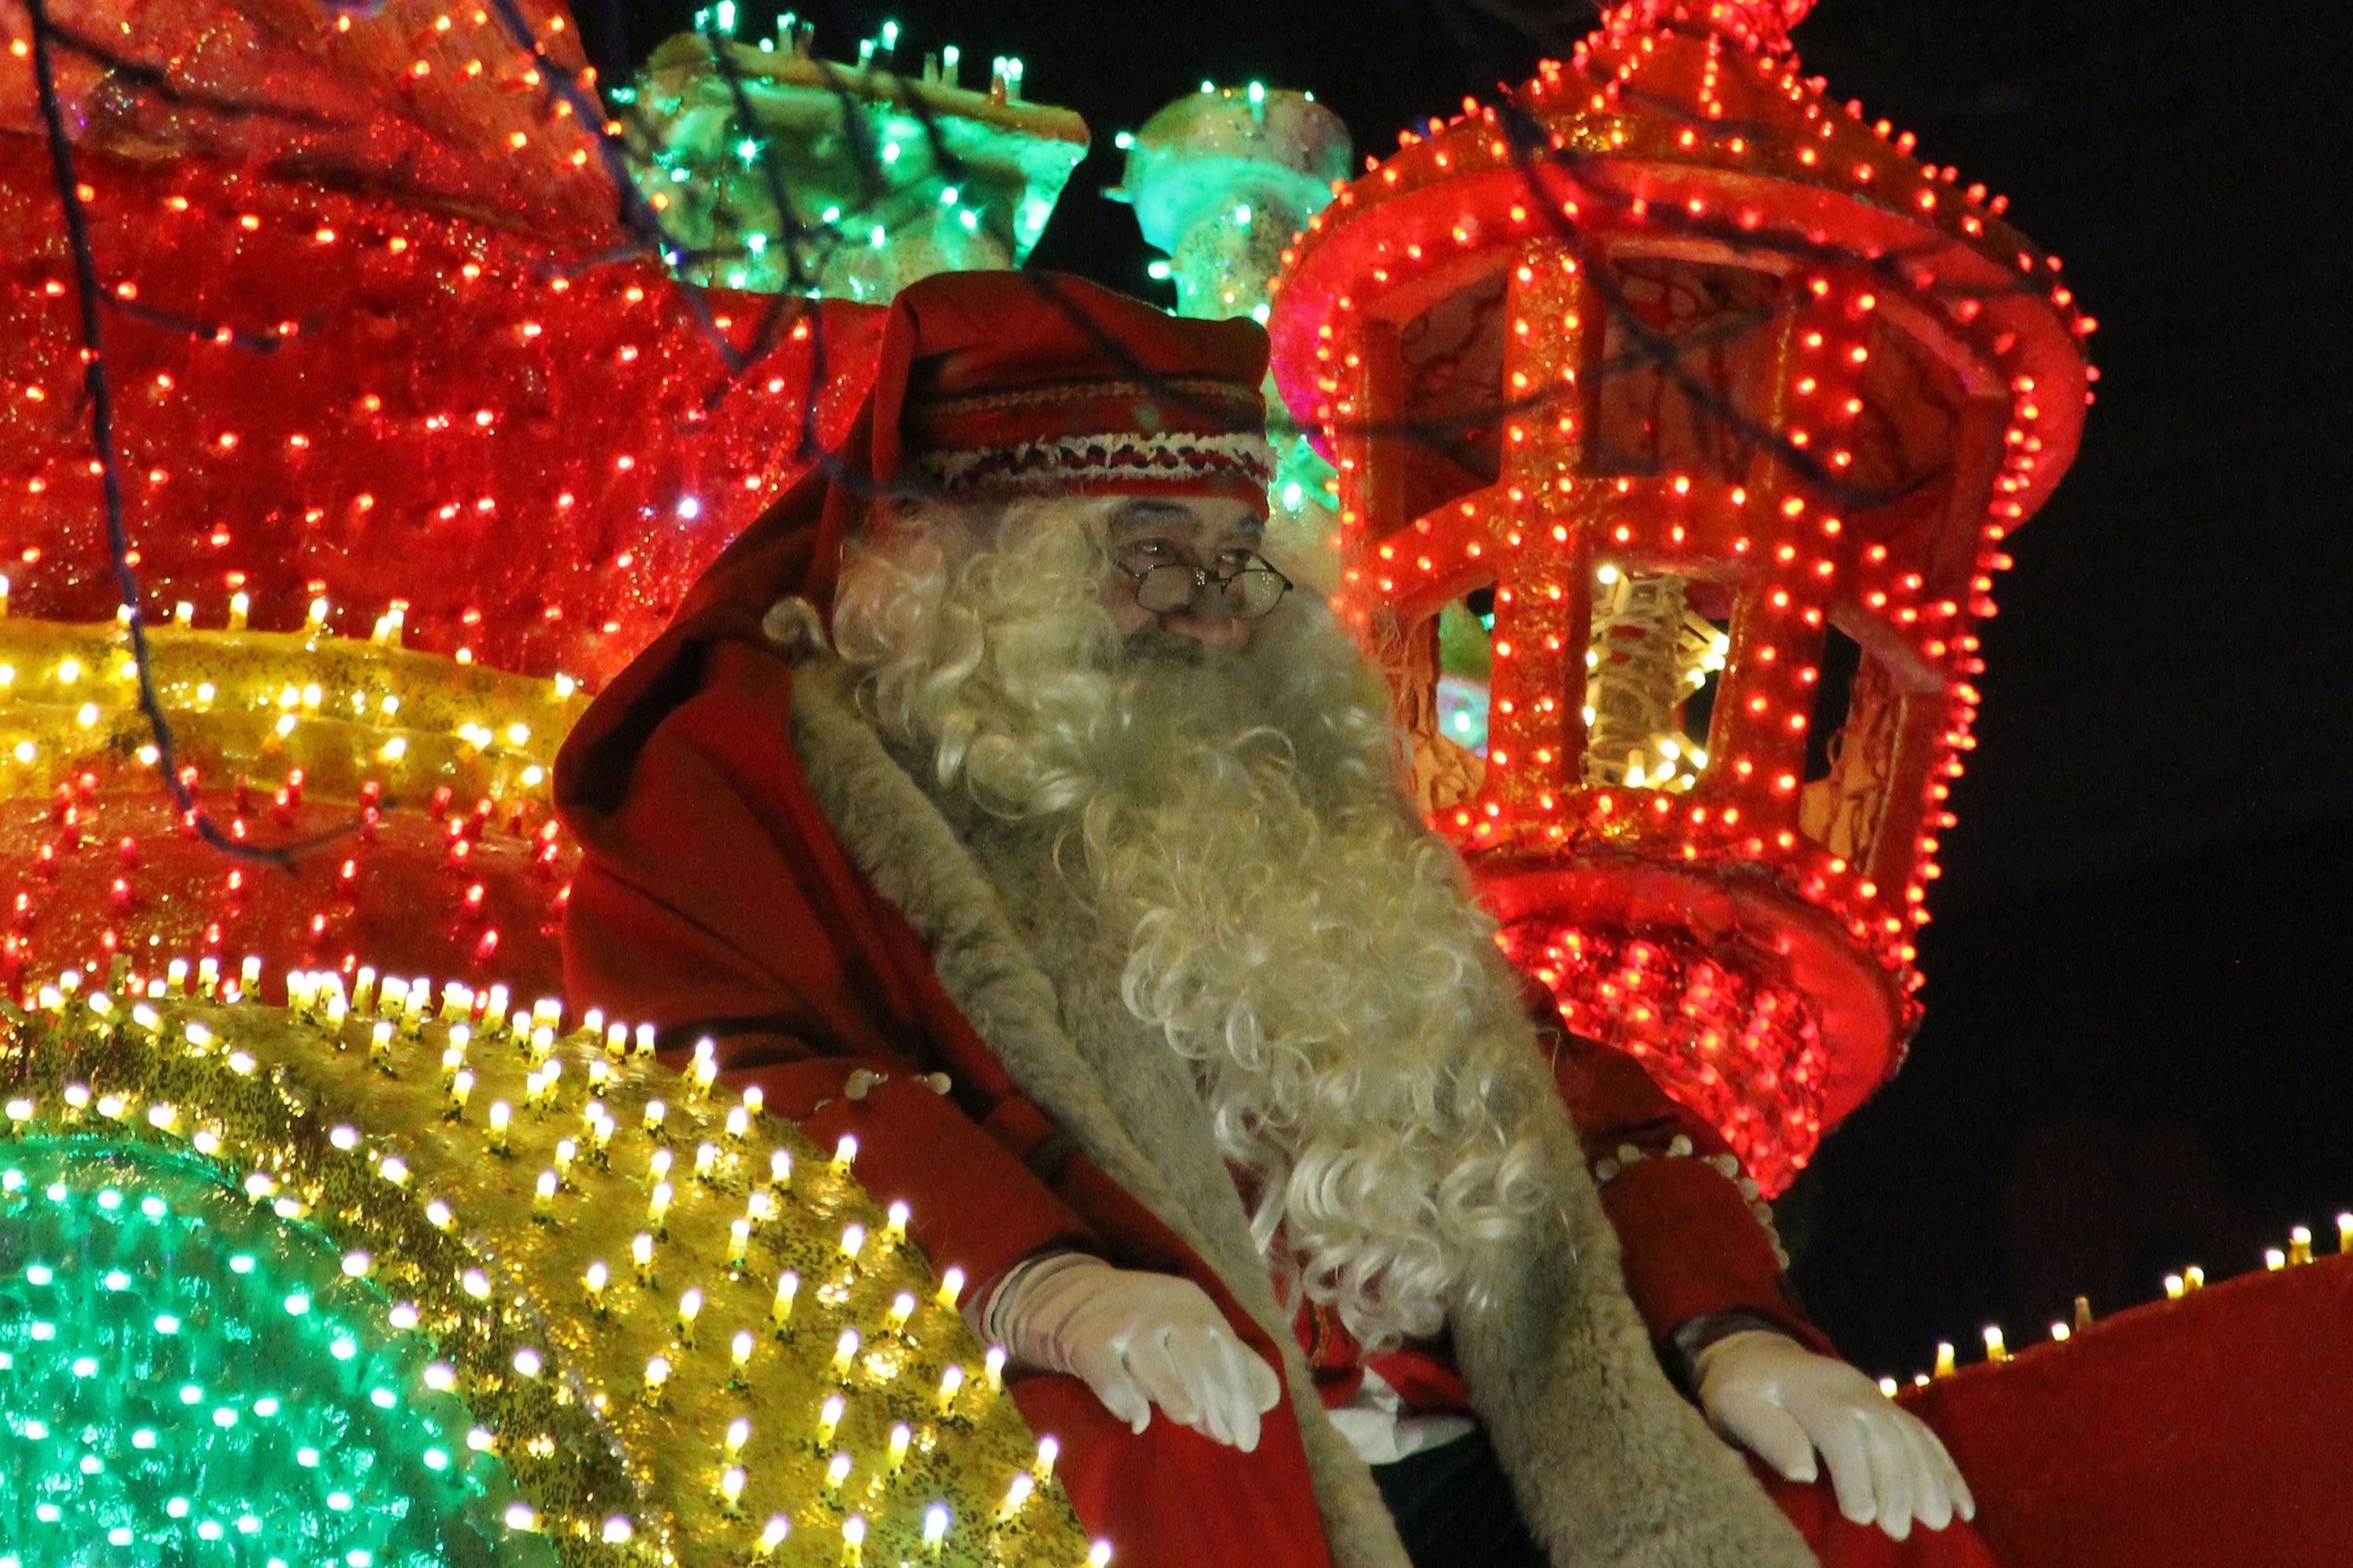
point(1248, 591)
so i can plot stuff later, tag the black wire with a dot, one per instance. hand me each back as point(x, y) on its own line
point(98, 389)
point(211, 333)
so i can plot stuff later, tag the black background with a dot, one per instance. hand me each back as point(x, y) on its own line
point(2136, 1054)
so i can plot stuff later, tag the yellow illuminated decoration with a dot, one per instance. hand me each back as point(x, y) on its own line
point(760, 1368)
point(346, 711)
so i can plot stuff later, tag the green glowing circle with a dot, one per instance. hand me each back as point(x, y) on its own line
point(188, 1380)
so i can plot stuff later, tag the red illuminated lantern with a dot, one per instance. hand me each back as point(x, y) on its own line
point(1723, 395)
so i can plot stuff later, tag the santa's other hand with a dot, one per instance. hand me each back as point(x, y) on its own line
point(1784, 1403)
point(1137, 1340)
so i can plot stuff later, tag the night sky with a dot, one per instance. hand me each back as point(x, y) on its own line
point(2136, 1054)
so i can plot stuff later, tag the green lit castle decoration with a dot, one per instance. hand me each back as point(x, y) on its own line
point(775, 170)
point(394, 1279)
point(138, 1289)
point(1222, 180)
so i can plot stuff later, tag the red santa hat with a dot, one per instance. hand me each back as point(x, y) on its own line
point(994, 385)
point(988, 385)
point(1006, 384)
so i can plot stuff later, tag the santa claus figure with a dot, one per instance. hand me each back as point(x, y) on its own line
point(996, 801)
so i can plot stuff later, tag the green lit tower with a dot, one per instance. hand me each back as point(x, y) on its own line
point(774, 170)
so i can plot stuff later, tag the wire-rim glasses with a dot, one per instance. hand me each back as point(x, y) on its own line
point(1248, 591)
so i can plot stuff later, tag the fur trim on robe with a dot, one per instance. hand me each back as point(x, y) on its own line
point(1613, 1468)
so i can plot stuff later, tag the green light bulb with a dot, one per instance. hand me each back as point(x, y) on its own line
point(190, 1378)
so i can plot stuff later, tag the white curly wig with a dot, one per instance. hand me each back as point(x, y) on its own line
point(1289, 928)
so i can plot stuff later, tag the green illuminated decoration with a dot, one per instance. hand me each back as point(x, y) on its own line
point(398, 1276)
point(775, 171)
point(187, 1378)
point(1221, 180)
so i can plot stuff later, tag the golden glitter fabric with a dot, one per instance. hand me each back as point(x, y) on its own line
point(418, 784)
point(689, 1335)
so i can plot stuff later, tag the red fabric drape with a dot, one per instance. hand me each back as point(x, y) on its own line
point(2212, 1432)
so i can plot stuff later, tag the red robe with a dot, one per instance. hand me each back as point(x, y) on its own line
point(713, 899)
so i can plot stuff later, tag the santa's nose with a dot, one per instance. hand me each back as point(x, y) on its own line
point(1207, 626)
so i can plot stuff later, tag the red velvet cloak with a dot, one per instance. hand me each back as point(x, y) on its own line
point(713, 899)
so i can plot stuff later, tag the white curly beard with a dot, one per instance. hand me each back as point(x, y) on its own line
point(1243, 874)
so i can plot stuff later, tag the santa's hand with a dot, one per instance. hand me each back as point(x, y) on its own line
point(1137, 1340)
point(1783, 1402)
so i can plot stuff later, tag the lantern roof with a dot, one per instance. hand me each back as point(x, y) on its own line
point(1762, 24)
point(1694, 126)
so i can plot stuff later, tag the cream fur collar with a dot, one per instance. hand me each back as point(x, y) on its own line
point(1610, 1466)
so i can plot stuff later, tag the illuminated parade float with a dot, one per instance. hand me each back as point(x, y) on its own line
point(1663, 424)
point(1693, 372)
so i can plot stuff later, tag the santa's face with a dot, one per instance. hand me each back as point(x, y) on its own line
point(1216, 534)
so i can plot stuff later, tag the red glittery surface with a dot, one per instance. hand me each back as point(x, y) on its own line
point(376, 335)
point(94, 874)
point(1720, 1023)
point(422, 101)
point(408, 393)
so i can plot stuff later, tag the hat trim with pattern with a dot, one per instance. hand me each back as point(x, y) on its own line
point(1112, 462)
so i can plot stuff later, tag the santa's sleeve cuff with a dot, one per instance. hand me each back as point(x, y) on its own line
point(974, 1202)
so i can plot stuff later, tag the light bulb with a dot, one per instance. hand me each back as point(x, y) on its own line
point(788, 1284)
